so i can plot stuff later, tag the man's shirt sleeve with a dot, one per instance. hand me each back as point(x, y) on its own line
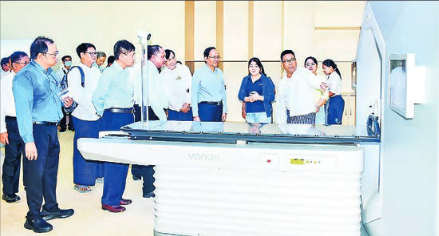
point(23, 96)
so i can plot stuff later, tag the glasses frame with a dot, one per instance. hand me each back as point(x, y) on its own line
point(52, 54)
point(292, 60)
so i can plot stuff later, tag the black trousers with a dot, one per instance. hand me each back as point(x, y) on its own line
point(147, 172)
point(40, 175)
point(12, 162)
point(63, 122)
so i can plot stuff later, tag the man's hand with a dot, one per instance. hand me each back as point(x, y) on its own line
point(31, 151)
point(197, 118)
point(185, 108)
point(4, 138)
point(224, 117)
point(68, 101)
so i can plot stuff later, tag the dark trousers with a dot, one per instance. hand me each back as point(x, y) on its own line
point(12, 162)
point(178, 115)
point(84, 171)
point(40, 175)
point(208, 112)
point(334, 110)
point(146, 172)
point(115, 173)
point(63, 121)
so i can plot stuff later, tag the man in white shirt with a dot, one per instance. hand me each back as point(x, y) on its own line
point(9, 135)
point(6, 66)
point(295, 99)
point(158, 102)
point(67, 64)
point(85, 118)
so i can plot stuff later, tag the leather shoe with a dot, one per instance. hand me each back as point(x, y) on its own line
point(125, 201)
point(48, 215)
point(38, 225)
point(149, 195)
point(9, 198)
point(114, 209)
point(135, 177)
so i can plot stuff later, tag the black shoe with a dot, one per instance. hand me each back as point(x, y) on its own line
point(10, 198)
point(135, 177)
point(62, 130)
point(72, 129)
point(38, 225)
point(149, 195)
point(48, 215)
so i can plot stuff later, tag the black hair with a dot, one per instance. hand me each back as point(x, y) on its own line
point(16, 56)
point(39, 45)
point(122, 46)
point(100, 54)
point(65, 57)
point(312, 58)
point(207, 51)
point(168, 53)
point(258, 62)
point(110, 60)
point(83, 47)
point(331, 63)
point(153, 49)
point(5, 60)
point(285, 52)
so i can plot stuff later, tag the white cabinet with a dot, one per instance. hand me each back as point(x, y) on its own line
point(349, 109)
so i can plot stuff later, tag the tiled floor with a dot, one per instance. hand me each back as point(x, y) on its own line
point(89, 218)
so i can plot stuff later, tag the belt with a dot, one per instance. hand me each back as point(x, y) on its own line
point(212, 103)
point(45, 123)
point(10, 117)
point(120, 110)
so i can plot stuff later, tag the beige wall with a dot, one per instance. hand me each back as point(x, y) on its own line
point(277, 25)
point(100, 23)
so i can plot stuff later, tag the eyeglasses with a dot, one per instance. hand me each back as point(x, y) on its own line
point(92, 53)
point(289, 60)
point(55, 54)
point(215, 58)
point(22, 63)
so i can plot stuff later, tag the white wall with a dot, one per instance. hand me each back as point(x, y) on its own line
point(410, 147)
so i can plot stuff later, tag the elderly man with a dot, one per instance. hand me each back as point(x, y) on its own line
point(38, 108)
point(67, 64)
point(100, 59)
point(208, 98)
point(295, 102)
point(114, 100)
point(9, 135)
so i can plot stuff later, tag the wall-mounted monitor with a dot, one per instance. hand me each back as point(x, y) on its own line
point(401, 92)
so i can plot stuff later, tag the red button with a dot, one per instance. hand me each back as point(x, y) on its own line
point(268, 161)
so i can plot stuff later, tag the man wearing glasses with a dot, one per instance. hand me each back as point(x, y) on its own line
point(9, 135)
point(114, 100)
point(209, 90)
point(38, 108)
point(295, 101)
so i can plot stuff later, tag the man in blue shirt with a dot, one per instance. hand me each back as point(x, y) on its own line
point(36, 92)
point(114, 101)
point(208, 90)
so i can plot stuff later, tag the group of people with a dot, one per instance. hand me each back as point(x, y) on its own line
point(34, 100)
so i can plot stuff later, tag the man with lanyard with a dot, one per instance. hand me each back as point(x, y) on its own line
point(208, 98)
point(36, 91)
point(67, 64)
point(9, 135)
point(114, 100)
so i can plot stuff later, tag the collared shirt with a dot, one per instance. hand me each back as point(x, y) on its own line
point(296, 94)
point(36, 98)
point(178, 82)
point(61, 72)
point(7, 100)
point(3, 73)
point(83, 95)
point(158, 95)
point(101, 68)
point(115, 90)
point(208, 86)
point(334, 83)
